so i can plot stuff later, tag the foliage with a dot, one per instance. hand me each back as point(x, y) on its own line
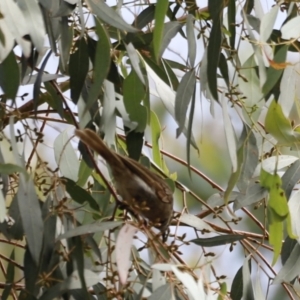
point(62, 235)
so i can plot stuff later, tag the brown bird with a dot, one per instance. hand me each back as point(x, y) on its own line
point(145, 192)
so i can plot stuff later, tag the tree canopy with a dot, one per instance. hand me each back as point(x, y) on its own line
point(128, 69)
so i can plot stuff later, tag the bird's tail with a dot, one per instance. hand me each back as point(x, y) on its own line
point(92, 140)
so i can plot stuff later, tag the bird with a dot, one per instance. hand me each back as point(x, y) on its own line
point(144, 192)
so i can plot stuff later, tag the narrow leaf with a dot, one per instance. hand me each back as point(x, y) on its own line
point(218, 240)
point(39, 80)
point(290, 178)
point(247, 283)
point(10, 274)
point(275, 70)
point(2, 207)
point(101, 64)
point(109, 15)
point(10, 76)
point(134, 93)
point(291, 267)
point(237, 285)
point(78, 68)
point(31, 216)
point(231, 22)
point(145, 17)
point(191, 39)
point(35, 22)
point(66, 157)
point(169, 32)
point(183, 98)
point(214, 45)
point(123, 249)
point(163, 292)
point(90, 228)
point(230, 136)
point(160, 13)
point(79, 194)
point(195, 222)
point(267, 23)
point(291, 29)
point(278, 125)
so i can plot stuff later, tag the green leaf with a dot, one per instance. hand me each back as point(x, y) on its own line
point(278, 125)
point(135, 62)
point(237, 161)
point(65, 44)
point(55, 100)
point(134, 93)
point(231, 22)
point(155, 132)
point(163, 292)
point(38, 82)
point(145, 17)
point(84, 173)
point(66, 157)
point(172, 78)
point(90, 228)
point(35, 23)
point(218, 240)
point(2, 38)
point(134, 143)
point(78, 68)
point(290, 268)
point(214, 45)
point(10, 76)
point(224, 69)
point(274, 73)
point(101, 64)
point(223, 291)
point(11, 168)
point(189, 133)
point(160, 13)
point(237, 285)
point(249, 84)
point(267, 23)
point(250, 158)
point(254, 193)
point(79, 194)
point(290, 178)
point(183, 97)
point(16, 231)
point(277, 200)
point(247, 283)
point(109, 15)
point(10, 275)
point(31, 216)
point(170, 30)
point(287, 248)
point(275, 236)
point(192, 46)
point(278, 211)
point(78, 257)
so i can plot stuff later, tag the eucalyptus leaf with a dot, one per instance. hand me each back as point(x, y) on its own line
point(218, 240)
point(78, 68)
point(31, 216)
point(10, 76)
point(109, 15)
point(79, 194)
point(90, 228)
point(65, 156)
point(183, 97)
point(35, 22)
point(160, 12)
point(192, 46)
